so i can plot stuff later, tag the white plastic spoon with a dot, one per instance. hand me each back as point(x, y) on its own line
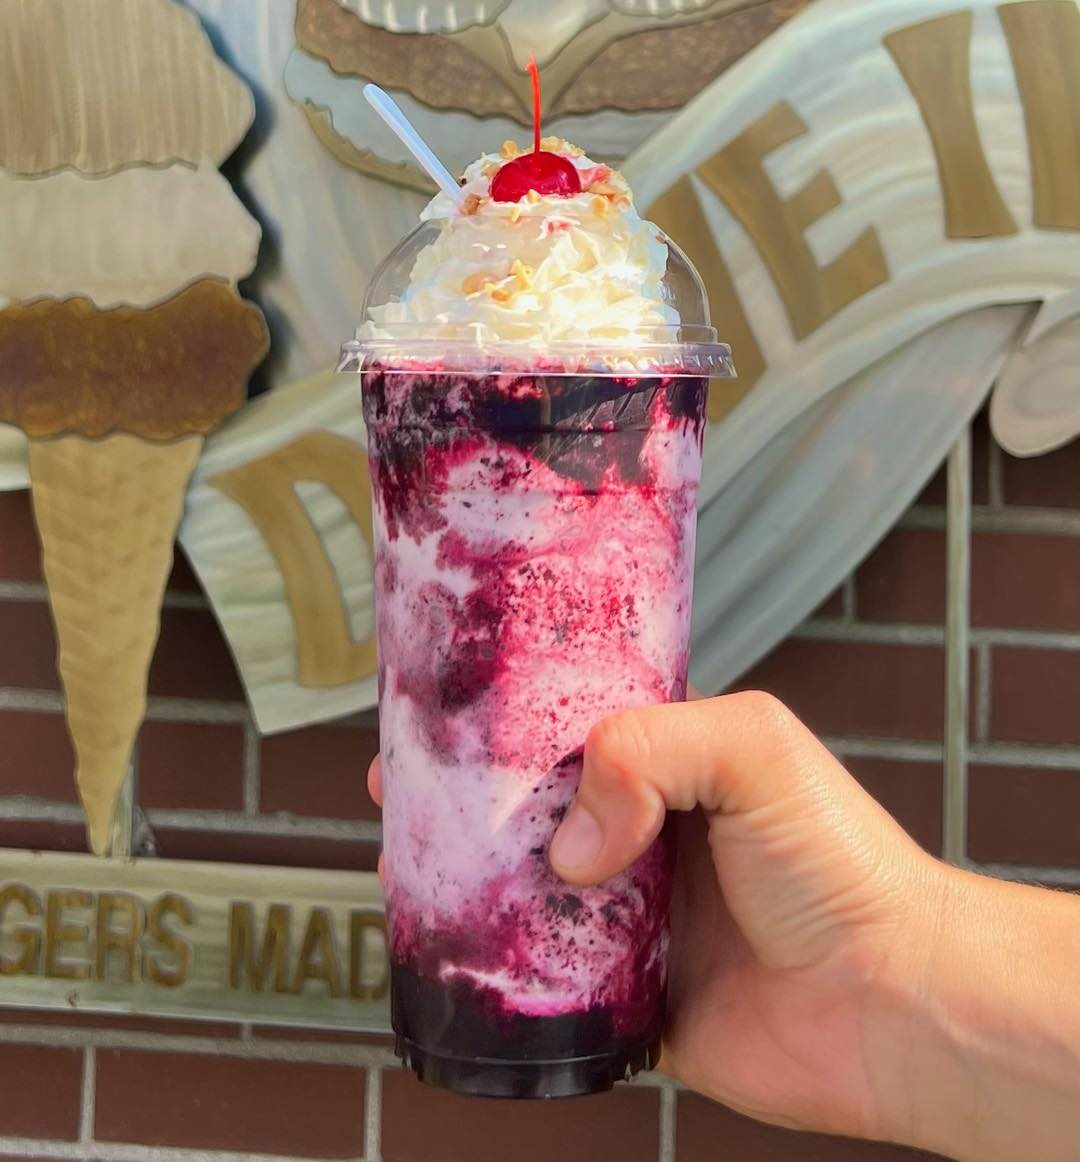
point(388, 110)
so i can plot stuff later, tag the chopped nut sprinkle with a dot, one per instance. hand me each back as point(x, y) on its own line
point(523, 272)
point(509, 150)
point(471, 204)
point(561, 145)
point(532, 196)
point(474, 283)
point(600, 206)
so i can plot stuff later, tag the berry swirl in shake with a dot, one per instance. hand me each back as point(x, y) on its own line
point(535, 360)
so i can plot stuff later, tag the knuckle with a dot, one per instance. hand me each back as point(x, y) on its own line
point(769, 715)
point(623, 745)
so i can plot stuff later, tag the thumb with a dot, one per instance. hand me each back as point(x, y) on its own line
point(732, 754)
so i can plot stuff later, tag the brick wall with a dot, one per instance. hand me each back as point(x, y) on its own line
point(866, 672)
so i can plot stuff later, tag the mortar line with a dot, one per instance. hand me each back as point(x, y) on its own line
point(996, 474)
point(668, 1130)
point(158, 709)
point(983, 692)
point(907, 633)
point(985, 519)
point(1028, 873)
point(129, 1152)
point(259, 1049)
point(1049, 758)
point(89, 1093)
point(21, 808)
point(848, 598)
point(251, 769)
point(373, 1116)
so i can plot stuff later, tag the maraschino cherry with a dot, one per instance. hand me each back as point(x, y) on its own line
point(542, 171)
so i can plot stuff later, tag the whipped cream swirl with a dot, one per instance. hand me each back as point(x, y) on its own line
point(546, 269)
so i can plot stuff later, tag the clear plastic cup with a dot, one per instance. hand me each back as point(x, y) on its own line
point(534, 516)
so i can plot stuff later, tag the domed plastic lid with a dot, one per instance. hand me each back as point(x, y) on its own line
point(690, 347)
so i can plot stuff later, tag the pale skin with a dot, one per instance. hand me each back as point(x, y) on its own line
point(827, 974)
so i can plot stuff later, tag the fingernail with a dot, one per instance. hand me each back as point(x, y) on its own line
point(578, 841)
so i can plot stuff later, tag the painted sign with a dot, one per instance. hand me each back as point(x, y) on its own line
point(161, 938)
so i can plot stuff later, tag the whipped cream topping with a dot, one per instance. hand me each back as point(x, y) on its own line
point(543, 270)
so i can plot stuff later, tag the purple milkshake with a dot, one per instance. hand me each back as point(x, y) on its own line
point(534, 380)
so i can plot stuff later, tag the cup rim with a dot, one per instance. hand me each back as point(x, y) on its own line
point(687, 349)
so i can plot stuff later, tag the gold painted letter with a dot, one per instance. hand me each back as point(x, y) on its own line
point(124, 941)
point(157, 968)
point(361, 924)
point(811, 293)
point(319, 955)
point(26, 935)
point(58, 932)
point(248, 971)
point(1044, 39)
point(265, 489)
point(679, 213)
point(935, 59)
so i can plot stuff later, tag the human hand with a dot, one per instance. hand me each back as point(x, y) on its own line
point(827, 973)
point(793, 892)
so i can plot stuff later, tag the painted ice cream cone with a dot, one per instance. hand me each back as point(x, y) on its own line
point(107, 512)
point(123, 338)
point(116, 404)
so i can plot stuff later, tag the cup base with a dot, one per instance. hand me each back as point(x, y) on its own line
point(490, 1077)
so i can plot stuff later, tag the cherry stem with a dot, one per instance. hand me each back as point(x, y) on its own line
point(534, 70)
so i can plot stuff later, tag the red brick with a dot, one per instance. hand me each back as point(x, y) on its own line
point(858, 688)
point(1024, 581)
point(707, 1132)
point(832, 606)
point(41, 1088)
point(42, 835)
point(1018, 580)
point(20, 549)
point(203, 1101)
point(35, 756)
point(910, 792)
point(192, 765)
point(1035, 695)
point(1021, 815)
point(903, 579)
point(429, 1125)
point(319, 771)
point(1050, 481)
point(182, 579)
point(271, 850)
point(129, 1023)
point(28, 657)
point(192, 659)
